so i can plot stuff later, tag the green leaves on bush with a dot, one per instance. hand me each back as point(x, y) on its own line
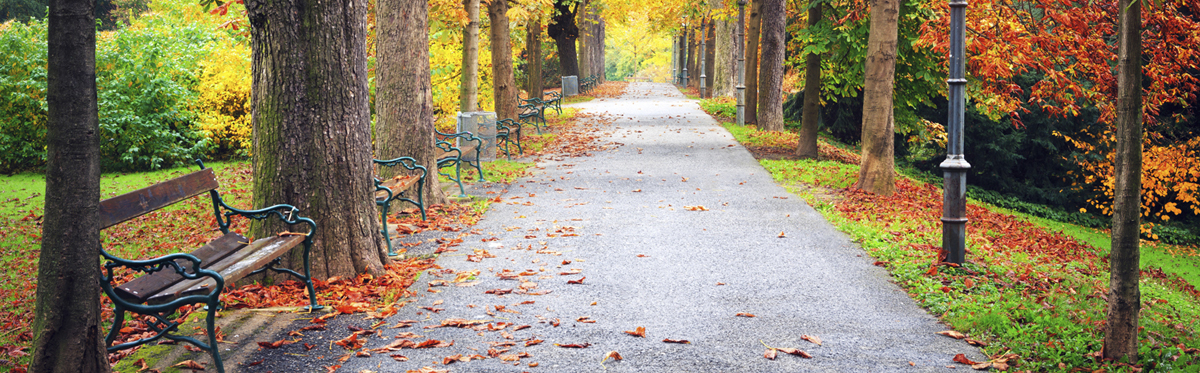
point(22, 95)
point(145, 78)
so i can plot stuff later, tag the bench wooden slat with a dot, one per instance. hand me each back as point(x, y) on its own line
point(233, 267)
point(130, 205)
point(396, 184)
point(467, 150)
point(139, 289)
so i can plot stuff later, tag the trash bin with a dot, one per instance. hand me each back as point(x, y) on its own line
point(483, 125)
point(570, 85)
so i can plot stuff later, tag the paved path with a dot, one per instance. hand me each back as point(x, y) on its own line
point(651, 262)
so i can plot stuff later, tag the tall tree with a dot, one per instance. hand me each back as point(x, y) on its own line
point(404, 92)
point(66, 322)
point(584, 40)
point(504, 82)
point(725, 60)
point(693, 63)
point(770, 69)
point(312, 131)
point(470, 62)
point(1124, 298)
point(564, 31)
point(753, 32)
point(811, 115)
point(533, 53)
point(876, 170)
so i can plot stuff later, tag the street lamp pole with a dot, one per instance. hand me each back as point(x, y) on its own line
point(954, 202)
point(741, 64)
point(701, 57)
point(686, 50)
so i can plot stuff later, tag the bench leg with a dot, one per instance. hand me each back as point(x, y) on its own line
point(118, 323)
point(462, 192)
point(383, 218)
point(312, 293)
point(211, 322)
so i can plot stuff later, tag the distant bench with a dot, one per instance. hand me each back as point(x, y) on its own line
point(200, 276)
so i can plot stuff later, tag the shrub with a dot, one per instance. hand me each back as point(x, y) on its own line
point(22, 95)
point(145, 75)
point(223, 105)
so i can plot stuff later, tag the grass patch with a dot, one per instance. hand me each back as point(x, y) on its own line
point(1033, 287)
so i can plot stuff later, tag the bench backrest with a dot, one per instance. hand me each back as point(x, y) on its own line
point(130, 205)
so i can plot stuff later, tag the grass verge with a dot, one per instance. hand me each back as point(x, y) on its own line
point(1033, 288)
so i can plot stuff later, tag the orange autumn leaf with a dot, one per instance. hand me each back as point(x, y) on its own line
point(189, 364)
point(639, 332)
point(795, 351)
point(770, 354)
point(744, 314)
point(962, 359)
point(680, 341)
point(576, 282)
point(811, 338)
point(952, 334)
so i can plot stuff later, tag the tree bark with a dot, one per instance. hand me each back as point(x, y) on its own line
point(469, 89)
point(564, 31)
point(752, 35)
point(66, 324)
point(404, 92)
point(811, 114)
point(504, 82)
point(876, 170)
point(770, 70)
point(312, 131)
point(584, 43)
point(533, 51)
point(1124, 299)
point(725, 63)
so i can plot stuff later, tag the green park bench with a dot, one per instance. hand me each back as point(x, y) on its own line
point(465, 148)
point(396, 189)
point(555, 101)
point(174, 280)
point(508, 131)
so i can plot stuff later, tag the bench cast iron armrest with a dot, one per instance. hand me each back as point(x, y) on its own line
point(390, 195)
point(510, 131)
point(162, 326)
point(287, 214)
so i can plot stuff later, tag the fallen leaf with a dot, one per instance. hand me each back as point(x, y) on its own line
point(574, 345)
point(189, 364)
point(962, 359)
point(639, 332)
point(976, 343)
point(577, 282)
point(743, 314)
point(586, 320)
point(952, 334)
point(398, 357)
point(811, 338)
point(795, 351)
point(695, 208)
point(613, 354)
point(782, 235)
point(683, 341)
point(770, 354)
point(532, 342)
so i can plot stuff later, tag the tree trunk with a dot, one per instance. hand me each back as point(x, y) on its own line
point(1124, 297)
point(564, 31)
point(584, 42)
point(770, 70)
point(533, 52)
point(312, 131)
point(404, 92)
point(66, 325)
point(601, 67)
point(680, 56)
point(469, 89)
point(725, 63)
point(504, 82)
point(811, 115)
point(876, 171)
point(752, 36)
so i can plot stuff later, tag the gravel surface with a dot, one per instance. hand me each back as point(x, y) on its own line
point(676, 229)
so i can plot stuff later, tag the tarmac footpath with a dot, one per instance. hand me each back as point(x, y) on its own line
point(675, 228)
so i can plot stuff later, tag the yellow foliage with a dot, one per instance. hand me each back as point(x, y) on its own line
point(1170, 176)
point(223, 105)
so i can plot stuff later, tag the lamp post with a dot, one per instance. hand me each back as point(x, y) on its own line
point(686, 50)
point(701, 57)
point(741, 64)
point(674, 59)
point(954, 202)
